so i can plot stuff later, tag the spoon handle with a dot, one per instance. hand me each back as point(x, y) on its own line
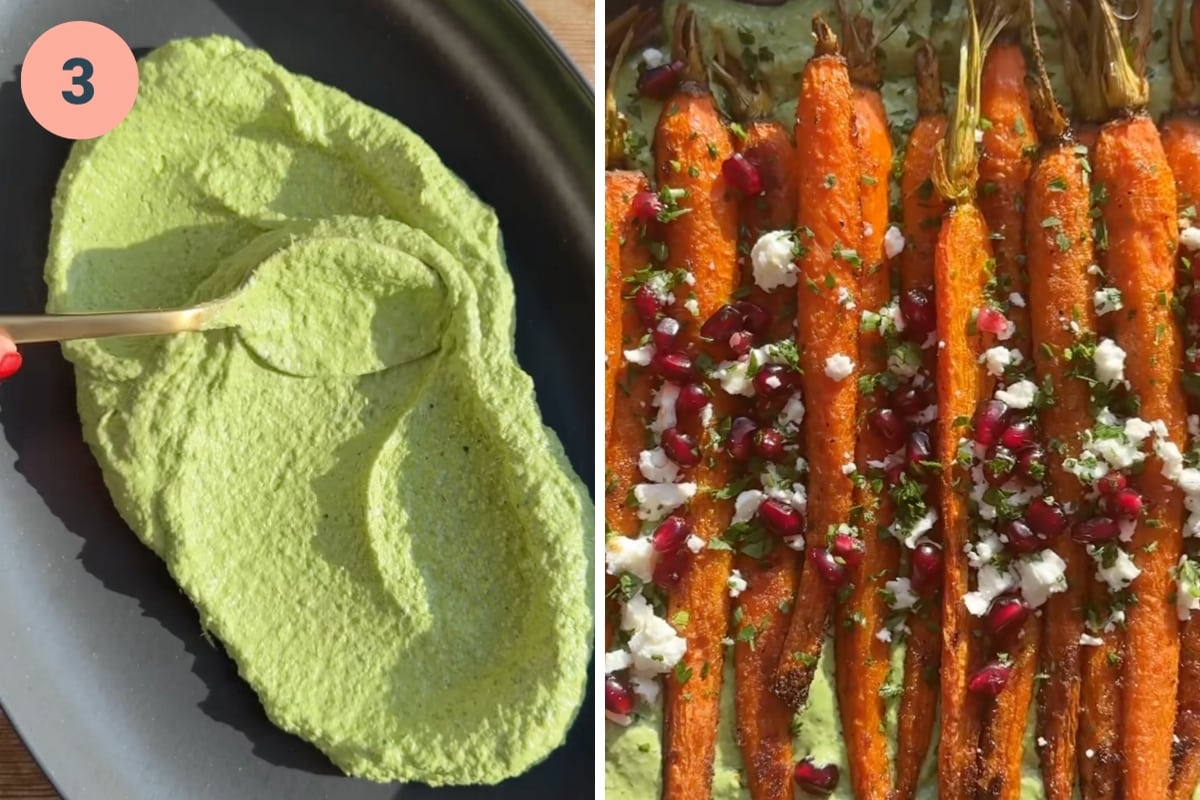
point(61, 327)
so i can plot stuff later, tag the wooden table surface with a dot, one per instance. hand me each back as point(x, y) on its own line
point(573, 23)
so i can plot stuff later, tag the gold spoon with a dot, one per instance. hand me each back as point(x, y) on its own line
point(26, 328)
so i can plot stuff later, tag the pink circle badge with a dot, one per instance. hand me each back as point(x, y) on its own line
point(79, 80)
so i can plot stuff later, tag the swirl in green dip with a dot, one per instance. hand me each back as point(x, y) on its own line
point(348, 475)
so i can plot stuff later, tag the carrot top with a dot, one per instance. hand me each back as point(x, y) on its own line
point(931, 100)
point(616, 126)
point(1049, 119)
point(1119, 71)
point(685, 47)
point(749, 99)
point(956, 168)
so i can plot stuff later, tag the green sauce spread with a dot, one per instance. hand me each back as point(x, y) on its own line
point(779, 42)
point(347, 474)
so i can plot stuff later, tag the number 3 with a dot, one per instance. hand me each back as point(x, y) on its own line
point(86, 90)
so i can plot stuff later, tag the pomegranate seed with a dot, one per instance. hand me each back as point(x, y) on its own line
point(647, 305)
point(990, 422)
point(741, 342)
point(999, 465)
point(991, 321)
point(829, 568)
point(646, 206)
point(741, 437)
point(768, 443)
point(909, 401)
point(849, 549)
point(1127, 503)
point(674, 366)
point(680, 448)
point(723, 323)
point(659, 82)
point(754, 317)
point(10, 362)
point(693, 397)
point(665, 333)
point(771, 379)
point(1096, 529)
point(1021, 538)
point(817, 781)
point(1045, 517)
point(888, 424)
point(1192, 306)
point(1008, 613)
point(671, 534)
point(617, 697)
point(1018, 435)
point(780, 518)
point(918, 450)
point(671, 567)
point(742, 175)
point(926, 566)
point(1112, 483)
point(990, 679)
point(1031, 464)
point(920, 316)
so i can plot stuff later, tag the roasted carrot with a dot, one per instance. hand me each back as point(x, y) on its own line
point(1139, 217)
point(624, 253)
point(1181, 143)
point(690, 145)
point(829, 220)
point(862, 660)
point(960, 268)
point(1062, 288)
point(1004, 166)
point(922, 208)
point(762, 610)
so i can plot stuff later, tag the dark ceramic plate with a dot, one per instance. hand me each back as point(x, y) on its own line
point(102, 666)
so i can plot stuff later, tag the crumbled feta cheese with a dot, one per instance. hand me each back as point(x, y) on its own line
point(1010, 330)
point(1021, 394)
point(634, 556)
point(1189, 237)
point(793, 412)
point(1120, 574)
point(838, 367)
point(883, 635)
point(693, 306)
point(735, 377)
point(990, 583)
point(736, 583)
point(1041, 741)
point(746, 504)
point(1016, 299)
point(653, 57)
point(642, 356)
point(655, 647)
point(893, 242)
point(616, 660)
point(1107, 301)
point(656, 467)
point(985, 548)
point(1187, 595)
point(1110, 362)
point(899, 594)
point(1042, 574)
point(668, 325)
point(997, 359)
point(795, 542)
point(849, 468)
point(845, 299)
point(1087, 640)
point(656, 500)
point(978, 135)
point(772, 259)
point(664, 400)
point(912, 537)
point(694, 543)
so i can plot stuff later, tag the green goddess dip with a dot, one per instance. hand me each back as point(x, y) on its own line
point(348, 475)
point(779, 41)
